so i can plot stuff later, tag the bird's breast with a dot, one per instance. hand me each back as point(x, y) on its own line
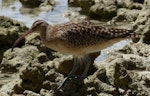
point(64, 47)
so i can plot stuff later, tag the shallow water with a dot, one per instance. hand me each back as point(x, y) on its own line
point(116, 46)
point(13, 9)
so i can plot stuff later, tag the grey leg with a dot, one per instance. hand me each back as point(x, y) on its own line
point(74, 69)
point(87, 61)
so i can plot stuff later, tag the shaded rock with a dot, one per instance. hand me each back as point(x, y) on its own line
point(10, 30)
point(139, 1)
point(32, 4)
point(79, 3)
point(36, 3)
point(68, 61)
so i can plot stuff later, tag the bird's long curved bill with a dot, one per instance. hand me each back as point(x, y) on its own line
point(19, 39)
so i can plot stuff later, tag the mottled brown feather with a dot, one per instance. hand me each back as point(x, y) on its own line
point(85, 33)
point(77, 38)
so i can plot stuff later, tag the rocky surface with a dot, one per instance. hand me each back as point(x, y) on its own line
point(35, 6)
point(105, 9)
point(10, 30)
point(31, 69)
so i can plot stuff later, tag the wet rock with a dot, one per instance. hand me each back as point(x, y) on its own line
point(10, 30)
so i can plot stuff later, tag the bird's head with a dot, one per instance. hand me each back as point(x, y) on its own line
point(37, 26)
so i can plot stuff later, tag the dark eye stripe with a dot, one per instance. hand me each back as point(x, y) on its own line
point(37, 23)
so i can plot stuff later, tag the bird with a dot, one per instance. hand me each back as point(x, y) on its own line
point(78, 39)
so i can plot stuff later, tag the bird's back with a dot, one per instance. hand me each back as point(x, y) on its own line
point(87, 36)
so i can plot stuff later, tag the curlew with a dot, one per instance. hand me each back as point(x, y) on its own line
point(78, 39)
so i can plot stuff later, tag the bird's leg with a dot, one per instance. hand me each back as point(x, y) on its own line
point(87, 61)
point(74, 69)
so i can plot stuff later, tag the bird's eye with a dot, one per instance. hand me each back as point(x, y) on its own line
point(36, 23)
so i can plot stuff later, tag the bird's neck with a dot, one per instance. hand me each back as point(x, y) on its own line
point(43, 33)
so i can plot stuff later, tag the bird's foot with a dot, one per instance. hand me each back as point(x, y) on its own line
point(69, 79)
point(64, 83)
point(78, 77)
